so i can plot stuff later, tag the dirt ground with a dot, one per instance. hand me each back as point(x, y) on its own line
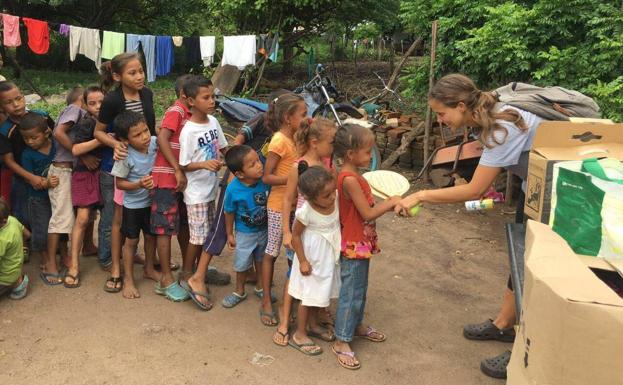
point(437, 271)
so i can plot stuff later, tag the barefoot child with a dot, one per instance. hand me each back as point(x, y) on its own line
point(353, 146)
point(314, 139)
point(245, 204)
point(285, 115)
point(316, 239)
point(132, 175)
point(36, 159)
point(201, 143)
point(124, 77)
point(168, 212)
point(12, 237)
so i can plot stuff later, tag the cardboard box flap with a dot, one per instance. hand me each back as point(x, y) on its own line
point(552, 259)
point(566, 134)
point(597, 150)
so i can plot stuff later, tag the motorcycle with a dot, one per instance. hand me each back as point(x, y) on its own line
point(319, 94)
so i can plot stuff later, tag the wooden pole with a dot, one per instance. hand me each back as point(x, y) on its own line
point(403, 60)
point(431, 79)
point(259, 75)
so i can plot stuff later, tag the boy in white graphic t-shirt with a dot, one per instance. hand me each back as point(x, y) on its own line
point(201, 143)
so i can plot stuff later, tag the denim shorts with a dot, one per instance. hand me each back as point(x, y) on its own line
point(39, 211)
point(249, 247)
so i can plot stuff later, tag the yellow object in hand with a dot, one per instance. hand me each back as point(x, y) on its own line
point(413, 211)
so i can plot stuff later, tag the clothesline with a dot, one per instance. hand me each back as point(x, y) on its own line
point(239, 51)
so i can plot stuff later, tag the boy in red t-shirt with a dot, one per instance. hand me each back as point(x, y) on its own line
point(168, 211)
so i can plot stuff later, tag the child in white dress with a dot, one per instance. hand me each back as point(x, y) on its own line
point(316, 239)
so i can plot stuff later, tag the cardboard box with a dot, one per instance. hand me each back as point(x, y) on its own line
point(557, 141)
point(571, 325)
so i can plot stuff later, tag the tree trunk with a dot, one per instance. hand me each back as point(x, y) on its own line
point(288, 51)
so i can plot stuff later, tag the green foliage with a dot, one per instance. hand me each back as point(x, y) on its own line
point(576, 44)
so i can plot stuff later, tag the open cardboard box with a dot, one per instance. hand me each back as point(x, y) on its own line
point(571, 324)
point(558, 141)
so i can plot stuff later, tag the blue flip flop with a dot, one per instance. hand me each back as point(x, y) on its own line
point(195, 294)
point(21, 290)
point(44, 277)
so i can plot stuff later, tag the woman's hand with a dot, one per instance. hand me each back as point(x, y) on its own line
point(402, 208)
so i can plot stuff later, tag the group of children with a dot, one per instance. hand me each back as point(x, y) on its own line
point(105, 154)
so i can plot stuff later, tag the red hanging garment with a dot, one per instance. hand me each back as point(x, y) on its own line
point(38, 35)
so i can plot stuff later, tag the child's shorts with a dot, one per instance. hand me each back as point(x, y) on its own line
point(118, 195)
point(85, 188)
point(134, 221)
point(62, 220)
point(249, 247)
point(167, 212)
point(39, 212)
point(275, 234)
point(200, 218)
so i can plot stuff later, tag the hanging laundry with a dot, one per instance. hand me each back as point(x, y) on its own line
point(38, 35)
point(85, 41)
point(273, 51)
point(113, 43)
point(164, 55)
point(207, 46)
point(239, 51)
point(10, 24)
point(177, 41)
point(148, 43)
point(64, 30)
point(193, 50)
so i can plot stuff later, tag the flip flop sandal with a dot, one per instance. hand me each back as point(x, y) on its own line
point(233, 299)
point(273, 318)
point(195, 294)
point(44, 277)
point(21, 290)
point(285, 338)
point(76, 284)
point(370, 335)
point(496, 367)
point(301, 347)
point(115, 282)
point(488, 331)
point(347, 354)
point(326, 335)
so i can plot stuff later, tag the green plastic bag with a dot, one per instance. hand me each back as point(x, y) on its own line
point(587, 206)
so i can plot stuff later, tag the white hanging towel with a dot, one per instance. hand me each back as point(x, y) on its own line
point(85, 41)
point(239, 51)
point(177, 41)
point(207, 44)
